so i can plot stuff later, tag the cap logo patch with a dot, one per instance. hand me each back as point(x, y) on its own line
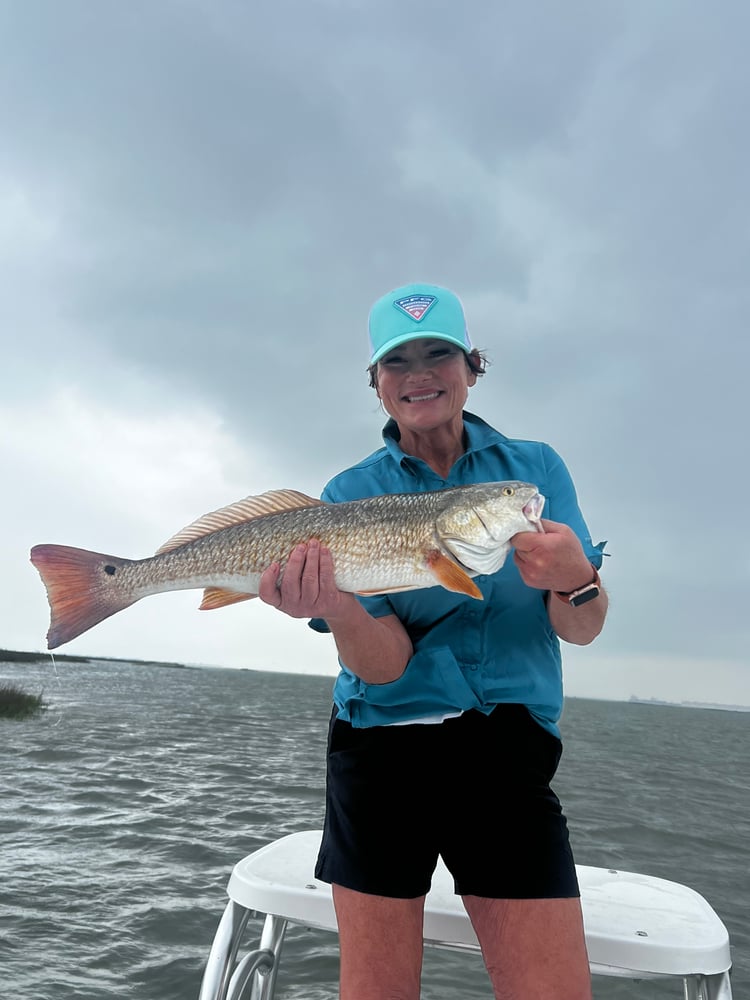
point(416, 306)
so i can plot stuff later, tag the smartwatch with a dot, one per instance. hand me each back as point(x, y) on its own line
point(584, 594)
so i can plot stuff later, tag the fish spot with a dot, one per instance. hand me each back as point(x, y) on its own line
point(110, 570)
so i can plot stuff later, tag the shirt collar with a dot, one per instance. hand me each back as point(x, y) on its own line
point(479, 435)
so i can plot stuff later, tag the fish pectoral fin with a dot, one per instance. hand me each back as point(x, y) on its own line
point(218, 597)
point(450, 575)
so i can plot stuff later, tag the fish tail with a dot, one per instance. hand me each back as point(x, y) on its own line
point(81, 589)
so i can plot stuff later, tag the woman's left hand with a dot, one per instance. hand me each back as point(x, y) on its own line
point(552, 560)
point(556, 561)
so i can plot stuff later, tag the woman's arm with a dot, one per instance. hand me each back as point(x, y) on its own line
point(375, 649)
point(555, 561)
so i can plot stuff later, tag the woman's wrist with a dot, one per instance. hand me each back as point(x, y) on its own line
point(581, 595)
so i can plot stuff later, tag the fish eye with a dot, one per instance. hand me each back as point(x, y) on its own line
point(508, 491)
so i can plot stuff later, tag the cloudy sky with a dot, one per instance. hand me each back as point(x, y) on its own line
point(199, 201)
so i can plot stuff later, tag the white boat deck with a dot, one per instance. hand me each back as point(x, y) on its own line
point(637, 926)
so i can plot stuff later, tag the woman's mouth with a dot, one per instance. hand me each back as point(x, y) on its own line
point(422, 397)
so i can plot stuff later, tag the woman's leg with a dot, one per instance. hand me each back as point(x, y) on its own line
point(534, 949)
point(381, 945)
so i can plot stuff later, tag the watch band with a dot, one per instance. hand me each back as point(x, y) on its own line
point(583, 594)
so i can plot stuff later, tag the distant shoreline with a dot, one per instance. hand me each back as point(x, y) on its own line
point(635, 700)
point(21, 656)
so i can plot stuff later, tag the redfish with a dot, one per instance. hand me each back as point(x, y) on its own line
point(382, 544)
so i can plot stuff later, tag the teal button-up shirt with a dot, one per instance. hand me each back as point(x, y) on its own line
point(467, 653)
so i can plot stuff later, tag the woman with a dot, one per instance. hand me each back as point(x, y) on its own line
point(444, 732)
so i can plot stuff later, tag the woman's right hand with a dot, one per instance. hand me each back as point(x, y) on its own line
point(308, 587)
point(375, 649)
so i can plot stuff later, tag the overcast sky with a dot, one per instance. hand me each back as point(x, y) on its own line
point(200, 200)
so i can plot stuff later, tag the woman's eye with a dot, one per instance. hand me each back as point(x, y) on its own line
point(430, 357)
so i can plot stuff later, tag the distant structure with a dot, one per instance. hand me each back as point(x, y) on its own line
point(634, 699)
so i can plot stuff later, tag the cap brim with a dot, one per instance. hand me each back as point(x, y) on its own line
point(420, 335)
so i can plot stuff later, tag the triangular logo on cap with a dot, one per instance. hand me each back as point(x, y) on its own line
point(416, 306)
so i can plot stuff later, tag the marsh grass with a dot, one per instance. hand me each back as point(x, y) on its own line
point(18, 704)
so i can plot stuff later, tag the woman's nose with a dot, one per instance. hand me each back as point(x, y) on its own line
point(419, 366)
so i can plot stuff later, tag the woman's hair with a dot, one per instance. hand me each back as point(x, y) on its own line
point(476, 360)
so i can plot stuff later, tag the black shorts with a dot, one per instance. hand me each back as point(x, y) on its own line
point(474, 789)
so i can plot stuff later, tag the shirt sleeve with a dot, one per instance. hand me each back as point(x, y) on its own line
point(562, 504)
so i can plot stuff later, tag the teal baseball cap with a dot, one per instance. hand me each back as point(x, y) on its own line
point(415, 311)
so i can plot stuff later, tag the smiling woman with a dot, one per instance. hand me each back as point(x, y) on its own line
point(423, 385)
point(430, 684)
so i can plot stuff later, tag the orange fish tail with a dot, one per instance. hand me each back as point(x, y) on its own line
point(80, 589)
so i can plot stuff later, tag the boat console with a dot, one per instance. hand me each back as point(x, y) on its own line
point(637, 926)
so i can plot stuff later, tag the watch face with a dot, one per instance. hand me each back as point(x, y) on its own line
point(589, 594)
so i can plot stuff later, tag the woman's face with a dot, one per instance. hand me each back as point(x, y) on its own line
point(424, 383)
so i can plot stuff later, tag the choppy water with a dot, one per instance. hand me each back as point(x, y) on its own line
point(125, 806)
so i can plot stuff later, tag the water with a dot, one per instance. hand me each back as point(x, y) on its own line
point(125, 806)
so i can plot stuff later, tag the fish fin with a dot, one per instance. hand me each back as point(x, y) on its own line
point(387, 590)
point(451, 576)
point(272, 502)
point(78, 589)
point(218, 597)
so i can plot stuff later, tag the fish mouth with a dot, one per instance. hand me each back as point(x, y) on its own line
point(532, 510)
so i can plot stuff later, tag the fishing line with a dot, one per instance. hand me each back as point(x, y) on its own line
point(59, 683)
